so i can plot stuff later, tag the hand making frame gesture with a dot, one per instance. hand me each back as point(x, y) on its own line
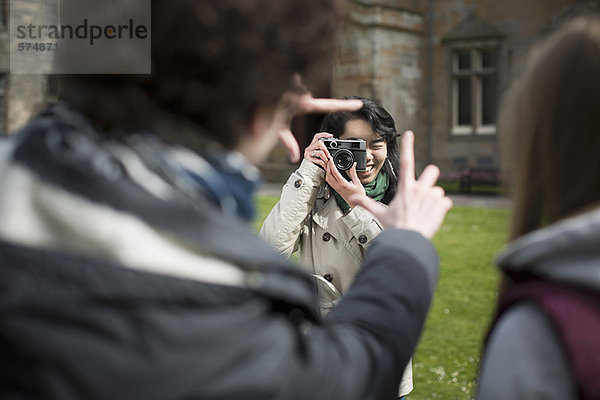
point(418, 205)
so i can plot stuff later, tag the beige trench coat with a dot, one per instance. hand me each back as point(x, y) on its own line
point(330, 245)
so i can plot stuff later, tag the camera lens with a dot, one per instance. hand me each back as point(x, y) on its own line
point(343, 159)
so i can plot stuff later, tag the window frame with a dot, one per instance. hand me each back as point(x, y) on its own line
point(475, 71)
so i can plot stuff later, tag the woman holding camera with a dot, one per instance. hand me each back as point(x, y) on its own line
point(315, 215)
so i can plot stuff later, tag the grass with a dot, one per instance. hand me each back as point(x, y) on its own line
point(484, 190)
point(447, 357)
point(263, 205)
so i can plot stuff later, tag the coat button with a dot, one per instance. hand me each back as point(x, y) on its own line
point(328, 277)
point(362, 239)
point(298, 183)
point(326, 237)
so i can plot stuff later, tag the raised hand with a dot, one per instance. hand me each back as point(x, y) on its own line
point(317, 152)
point(299, 104)
point(347, 189)
point(418, 205)
point(308, 104)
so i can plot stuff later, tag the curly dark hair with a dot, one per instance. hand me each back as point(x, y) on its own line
point(215, 63)
point(382, 124)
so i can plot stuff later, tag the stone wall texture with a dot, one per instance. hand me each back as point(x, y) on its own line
point(396, 52)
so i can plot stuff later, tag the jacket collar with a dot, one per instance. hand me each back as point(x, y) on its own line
point(329, 219)
point(566, 250)
point(83, 169)
point(329, 212)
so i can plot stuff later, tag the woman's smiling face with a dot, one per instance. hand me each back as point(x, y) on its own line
point(376, 147)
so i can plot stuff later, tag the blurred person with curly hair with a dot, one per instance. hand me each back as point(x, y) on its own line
point(127, 267)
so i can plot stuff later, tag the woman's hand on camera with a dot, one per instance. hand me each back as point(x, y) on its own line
point(317, 151)
point(347, 189)
point(418, 205)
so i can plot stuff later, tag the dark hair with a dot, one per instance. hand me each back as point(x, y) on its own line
point(382, 124)
point(550, 120)
point(214, 63)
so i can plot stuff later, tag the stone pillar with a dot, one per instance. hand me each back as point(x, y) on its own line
point(24, 95)
point(382, 57)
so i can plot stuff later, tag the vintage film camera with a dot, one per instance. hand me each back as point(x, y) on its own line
point(347, 152)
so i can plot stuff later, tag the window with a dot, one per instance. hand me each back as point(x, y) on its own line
point(474, 91)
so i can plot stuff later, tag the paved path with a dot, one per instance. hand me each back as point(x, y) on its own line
point(473, 200)
point(465, 200)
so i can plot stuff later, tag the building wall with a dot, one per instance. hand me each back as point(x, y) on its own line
point(392, 51)
point(25, 95)
point(382, 58)
point(522, 24)
point(395, 52)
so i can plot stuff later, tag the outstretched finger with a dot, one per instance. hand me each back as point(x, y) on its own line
point(308, 104)
point(407, 158)
point(374, 207)
point(430, 175)
point(287, 139)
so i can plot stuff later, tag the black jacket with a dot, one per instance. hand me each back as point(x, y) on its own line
point(113, 289)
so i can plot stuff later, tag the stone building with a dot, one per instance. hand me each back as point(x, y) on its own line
point(440, 68)
point(21, 96)
point(474, 49)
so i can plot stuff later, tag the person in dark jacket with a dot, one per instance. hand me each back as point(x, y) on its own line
point(545, 341)
point(127, 269)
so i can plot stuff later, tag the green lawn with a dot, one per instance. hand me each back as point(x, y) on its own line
point(263, 204)
point(484, 190)
point(446, 360)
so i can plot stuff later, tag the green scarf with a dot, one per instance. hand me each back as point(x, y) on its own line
point(375, 190)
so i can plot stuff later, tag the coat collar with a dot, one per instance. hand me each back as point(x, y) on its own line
point(566, 250)
point(329, 218)
point(327, 214)
point(91, 174)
